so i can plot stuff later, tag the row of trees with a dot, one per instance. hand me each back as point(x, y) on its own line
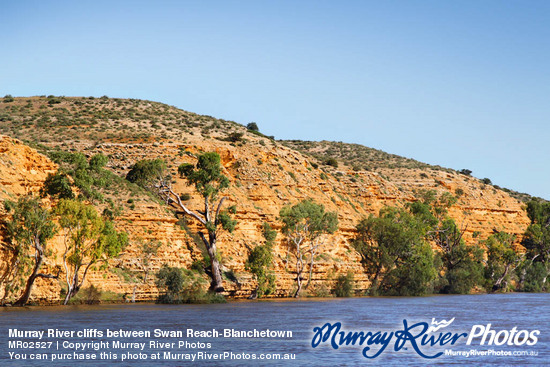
point(304, 224)
point(89, 241)
point(89, 238)
point(395, 249)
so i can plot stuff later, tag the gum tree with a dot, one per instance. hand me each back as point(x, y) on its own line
point(395, 253)
point(90, 240)
point(28, 232)
point(304, 225)
point(207, 178)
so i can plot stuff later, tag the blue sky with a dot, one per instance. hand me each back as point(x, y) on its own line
point(462, 84)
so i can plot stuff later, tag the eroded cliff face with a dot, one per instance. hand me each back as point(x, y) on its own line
point(265, 176)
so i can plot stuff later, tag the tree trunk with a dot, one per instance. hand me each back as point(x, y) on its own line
point(30, 282)
point(299, 271)
point(68, 296)
point(72, 289)
point(311, 262)
point(217, 284)
point(498, 284)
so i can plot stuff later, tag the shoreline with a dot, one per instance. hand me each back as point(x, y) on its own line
point(257, 300)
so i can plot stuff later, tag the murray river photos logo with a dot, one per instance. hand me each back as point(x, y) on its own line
point(424, 338)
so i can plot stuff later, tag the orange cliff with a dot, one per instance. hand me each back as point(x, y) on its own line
point(264, 178)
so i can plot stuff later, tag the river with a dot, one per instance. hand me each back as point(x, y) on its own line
point(386, 314)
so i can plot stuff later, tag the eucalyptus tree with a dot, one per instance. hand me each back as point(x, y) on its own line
point(304, 225)
point(90, 240)
point(207, 178)
point(28, 231)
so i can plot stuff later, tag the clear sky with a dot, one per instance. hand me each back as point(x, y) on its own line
point(462, 84)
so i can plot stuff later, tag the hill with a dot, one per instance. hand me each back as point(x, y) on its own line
point(265, 175)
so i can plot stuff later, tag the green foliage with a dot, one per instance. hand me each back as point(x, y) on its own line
point(331, 162)
point(29, 222)
point(501, 262)
point(309, 218)
point(171, 279)
point(235, 137)
point(268, 233)
point(260, 262)
point(344, 285)
point(252, 126)
point(8, 98)
point(27, 233)
point(185, 169)
point(303, 225)
point(90, 296)
point(98, 161)
point(533, 277)
point(394, 251)
point(207, 178)
point(486, 181)
point(145, 172)
point(462, 265)
point(183, 286)
point(466, 172)
point(58, 186)
point(92, 180)
point(227, 222)
point(89, 240)
point(185, 197)
point(535, 271)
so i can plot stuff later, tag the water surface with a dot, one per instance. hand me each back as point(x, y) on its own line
point(502, 311)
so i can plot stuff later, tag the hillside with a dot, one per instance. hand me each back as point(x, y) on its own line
point(391, 166)
point(265, 175)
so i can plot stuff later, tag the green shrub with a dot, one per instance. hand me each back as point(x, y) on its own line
point(235, 137)
point(344, 285)
point(332, 162)
point(98, 161)
point(252, 126)
point(57, 186)
point(144, 171)
point(184, 286)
